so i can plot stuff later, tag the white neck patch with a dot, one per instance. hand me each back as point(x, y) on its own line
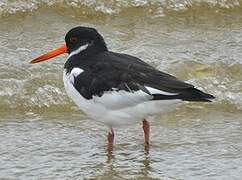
point(77, 51)
point(76, 71)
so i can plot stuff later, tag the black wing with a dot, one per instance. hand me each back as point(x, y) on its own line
point(113, 71)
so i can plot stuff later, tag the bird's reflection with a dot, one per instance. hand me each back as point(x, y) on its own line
point(146, 149)
point(145, 161)
point(110, 156)
point(146, 166)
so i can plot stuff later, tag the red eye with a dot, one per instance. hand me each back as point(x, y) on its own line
point(73, 39)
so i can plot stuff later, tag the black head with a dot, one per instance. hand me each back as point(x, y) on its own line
point(82, 41)
point(86, 37)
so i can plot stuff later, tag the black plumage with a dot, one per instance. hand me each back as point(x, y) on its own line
point(109, 71)
point(138, 90)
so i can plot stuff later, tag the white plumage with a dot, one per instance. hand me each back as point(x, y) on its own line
point(116, 108)
point(105, 69)
point(77, 51)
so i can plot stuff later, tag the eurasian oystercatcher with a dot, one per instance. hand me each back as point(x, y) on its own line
point(117, 89)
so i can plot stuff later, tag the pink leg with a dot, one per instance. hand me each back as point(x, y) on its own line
point(146, 128)
point(110, 139)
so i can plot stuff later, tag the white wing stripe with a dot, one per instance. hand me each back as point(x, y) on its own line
point(157, 91)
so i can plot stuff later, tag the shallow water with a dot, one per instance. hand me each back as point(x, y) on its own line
point(44, 136)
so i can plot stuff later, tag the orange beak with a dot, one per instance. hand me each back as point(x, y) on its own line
point(56, 52)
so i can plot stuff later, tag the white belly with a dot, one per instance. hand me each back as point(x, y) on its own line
point(116, 108)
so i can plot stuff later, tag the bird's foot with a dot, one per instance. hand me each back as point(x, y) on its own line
point(110, 138)
point(146, 128)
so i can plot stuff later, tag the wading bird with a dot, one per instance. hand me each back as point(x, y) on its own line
point(117, 89)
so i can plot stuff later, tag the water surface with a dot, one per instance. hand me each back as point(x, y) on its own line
point(44, 136)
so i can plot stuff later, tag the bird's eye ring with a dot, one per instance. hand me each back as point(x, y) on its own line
point(73, 39)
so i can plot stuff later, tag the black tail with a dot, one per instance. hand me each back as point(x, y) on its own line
point(189, 94)
point(193, 94)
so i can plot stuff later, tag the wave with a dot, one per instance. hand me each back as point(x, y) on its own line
point(111, 7)
point(28, 89)
point(24, 90)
